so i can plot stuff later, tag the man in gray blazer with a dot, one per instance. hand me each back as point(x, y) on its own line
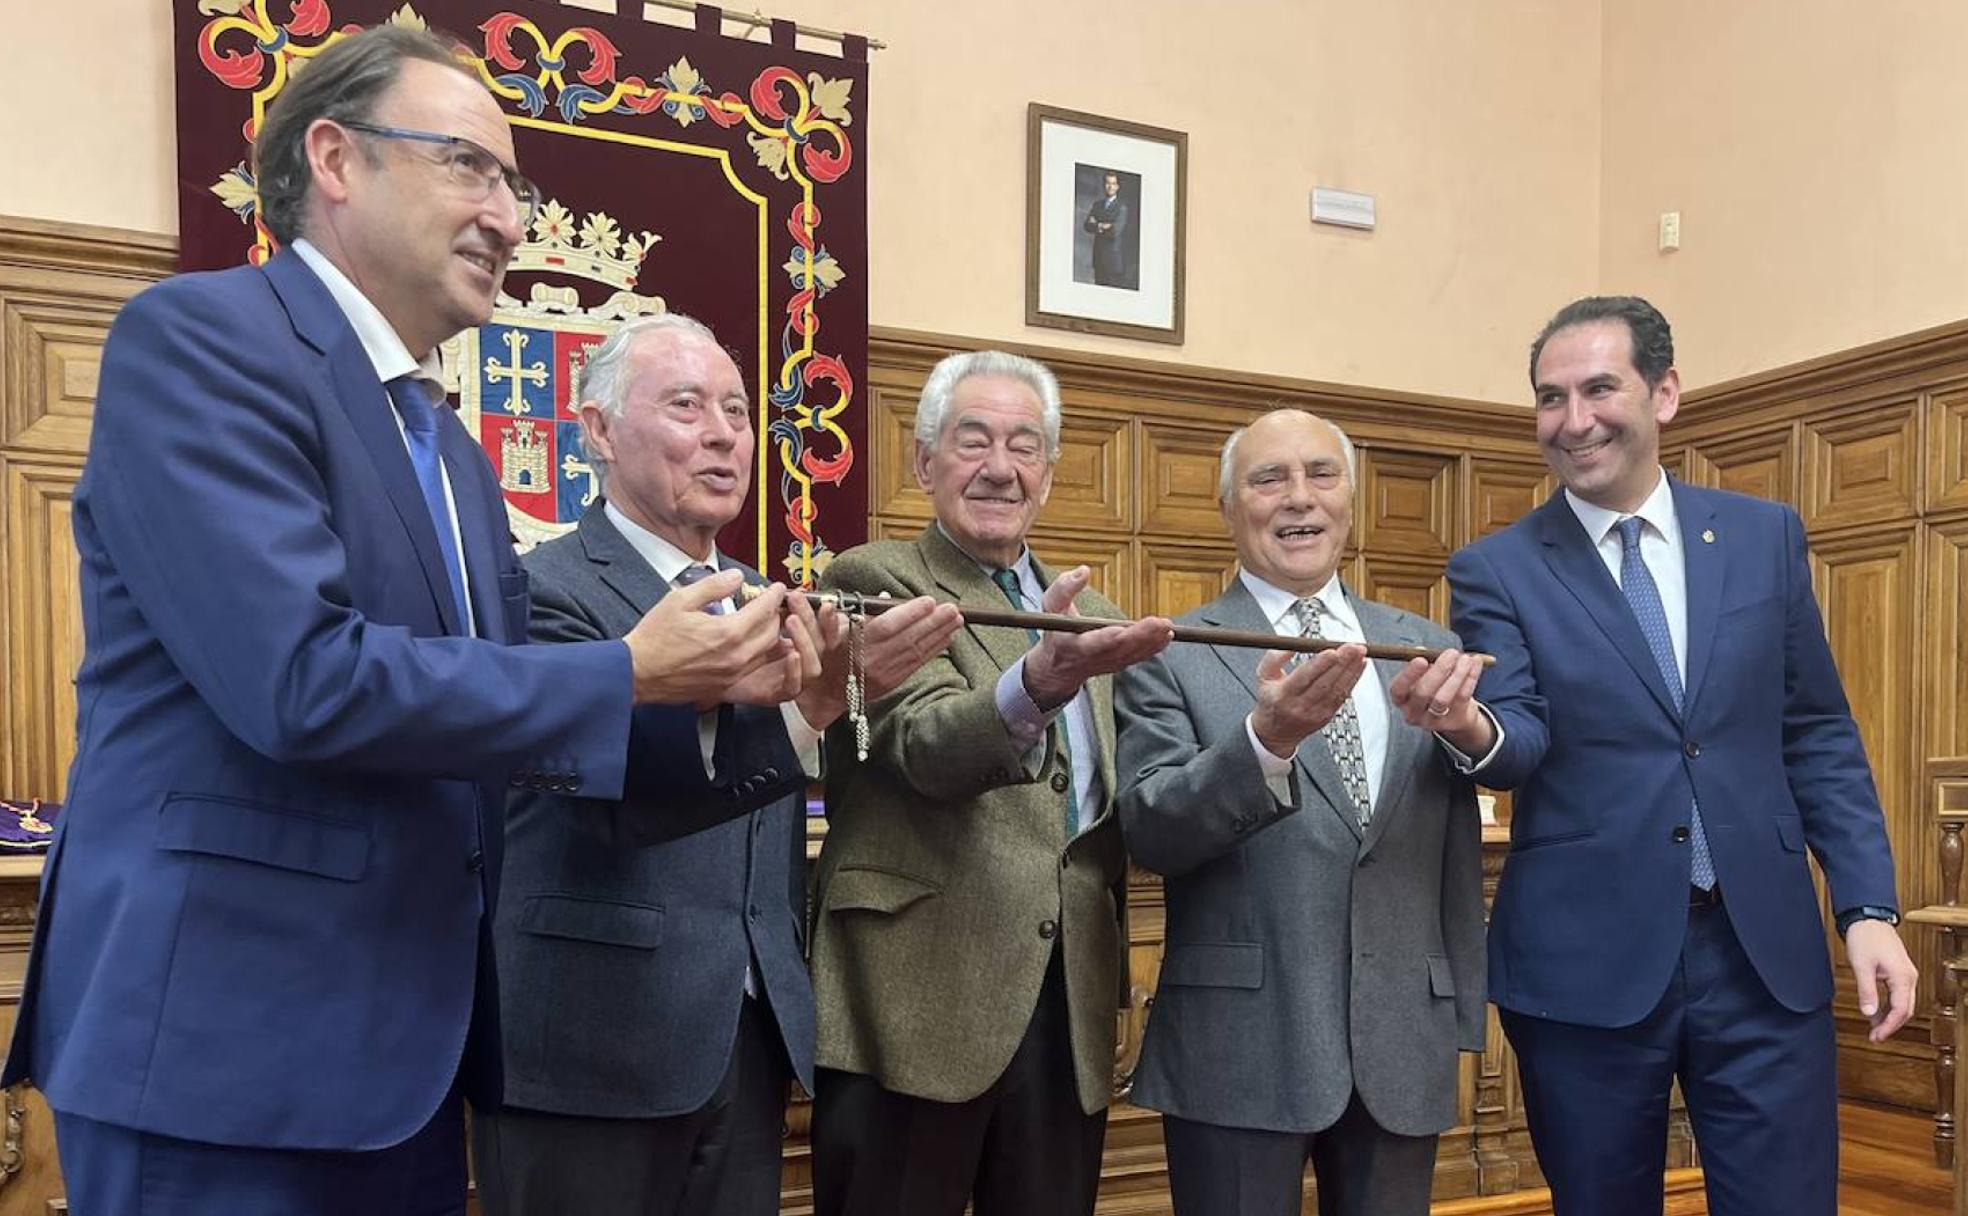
point(652, 979)
point(1324, 956)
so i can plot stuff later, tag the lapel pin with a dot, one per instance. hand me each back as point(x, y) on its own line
point(1708, 536)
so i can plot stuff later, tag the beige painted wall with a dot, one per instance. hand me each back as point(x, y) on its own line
point(1449, 113)
point(1817, 152)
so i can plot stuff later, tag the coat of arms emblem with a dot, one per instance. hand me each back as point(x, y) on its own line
point(517, 378)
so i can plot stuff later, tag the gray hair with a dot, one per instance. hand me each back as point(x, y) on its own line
point(605, 378)
point(1227, 461)
point(342, 84)
point(955, 369)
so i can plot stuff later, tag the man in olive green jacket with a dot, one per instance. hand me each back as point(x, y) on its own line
point(967, 945)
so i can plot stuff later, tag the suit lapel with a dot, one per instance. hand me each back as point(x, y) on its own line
point(1577, 566)
point(1405, 744)
point(1706, 565)
point(967, 584)
point(1238, 609)
point(617, 563)
point(320, 323)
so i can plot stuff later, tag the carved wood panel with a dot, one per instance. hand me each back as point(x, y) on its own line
point(1503, 489)
point(1179, 578)
point(41, 616)
point(1111, 560)
point(1759, 463)
point(1178, 481)
point(1947, 451)
point(1415, 584)
point(1862, 466)
point(1407, 502)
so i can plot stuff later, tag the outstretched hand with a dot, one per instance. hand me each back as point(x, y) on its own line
point(1061, 662)
point(894, 644)
point(1441, 697)
point(1296, 700)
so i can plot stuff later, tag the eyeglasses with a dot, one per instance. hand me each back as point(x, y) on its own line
point(472, 168)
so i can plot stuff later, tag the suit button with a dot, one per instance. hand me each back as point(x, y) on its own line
point(772, 774)
point(573, 782)
point(753, 911)
point(519, 781)
point(1680, 833)
point(1365, 862)
point(1059, 783)
point(1048, 929)
point(475, 862)
point(1693, 749)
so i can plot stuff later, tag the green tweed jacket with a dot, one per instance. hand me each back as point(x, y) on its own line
point(947, 881)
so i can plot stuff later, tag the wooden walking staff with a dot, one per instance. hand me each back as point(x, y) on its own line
point(859, 607)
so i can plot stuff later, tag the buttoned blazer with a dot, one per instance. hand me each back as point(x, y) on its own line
point(262, 919)
point(1305, 957)
point(1592, 906)
point(947, 880)
point(625, 927)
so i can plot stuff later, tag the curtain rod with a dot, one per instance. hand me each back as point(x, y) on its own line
point(756, 20)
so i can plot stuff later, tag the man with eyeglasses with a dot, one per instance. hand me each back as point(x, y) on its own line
point(261, 981)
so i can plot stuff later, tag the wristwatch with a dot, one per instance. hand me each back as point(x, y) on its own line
point(1850, 916)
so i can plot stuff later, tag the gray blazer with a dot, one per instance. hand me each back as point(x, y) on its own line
point(1304, 958)
point(623, 928)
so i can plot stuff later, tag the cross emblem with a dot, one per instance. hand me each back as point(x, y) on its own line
point(515, 373)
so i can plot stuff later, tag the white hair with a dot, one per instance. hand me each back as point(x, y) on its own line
point(605, 378)
point(1227, 461)
point(955, 369)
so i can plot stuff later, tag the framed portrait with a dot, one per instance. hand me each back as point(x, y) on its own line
point(1105, 204)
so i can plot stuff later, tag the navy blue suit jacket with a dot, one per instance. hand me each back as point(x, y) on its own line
point(263, 918)
point(1592, 906)
point(624, 928)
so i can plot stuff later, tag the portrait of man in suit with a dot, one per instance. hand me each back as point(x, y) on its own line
point(1678, 742)
point(261, 980)
point(651, 952)
point(1322, 865)
point(1108, 253)
point(967, 942)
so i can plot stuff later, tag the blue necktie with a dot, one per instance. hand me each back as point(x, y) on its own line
point(413, 404)
point(1644, 598)
point(697, 573)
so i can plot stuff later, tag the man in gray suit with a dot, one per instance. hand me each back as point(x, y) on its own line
point(1324, 956)
point(652, 983)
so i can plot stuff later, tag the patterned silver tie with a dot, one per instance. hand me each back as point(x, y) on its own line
point(1342, 734)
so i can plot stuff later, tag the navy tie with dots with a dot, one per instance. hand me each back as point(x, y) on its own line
point(419, 414)
point(1644, 598)
point(697, 573)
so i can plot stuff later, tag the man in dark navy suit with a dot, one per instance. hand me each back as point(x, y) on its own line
point(261, 981)
point(651, 965)
point(1677, 737)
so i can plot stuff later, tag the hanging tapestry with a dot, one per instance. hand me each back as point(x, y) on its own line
point(680, 170)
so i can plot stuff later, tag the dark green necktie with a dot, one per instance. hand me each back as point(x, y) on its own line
point(1007, 581)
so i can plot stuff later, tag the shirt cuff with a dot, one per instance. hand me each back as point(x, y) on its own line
point(1276, 768)
point(805, 740)
point(1464, 764)
point(1024, 721)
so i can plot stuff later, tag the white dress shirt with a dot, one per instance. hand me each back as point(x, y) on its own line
point(668, 561)
point(391, 359)
point(1369, 697)
point(1027, 723)
point(1660, 548)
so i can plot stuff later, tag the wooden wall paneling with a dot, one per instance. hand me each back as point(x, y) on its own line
point(1407, 502)
point(1946, 487)
point(1414, 583)
point(1944, 688)
point(1759, 463)
point(892, 489)
point(41, 619)
point(1867, 586)
point(1178, 479)
point(1179, 577)
point(1111, 559)
point(1862, 465)
point(1502, 490)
